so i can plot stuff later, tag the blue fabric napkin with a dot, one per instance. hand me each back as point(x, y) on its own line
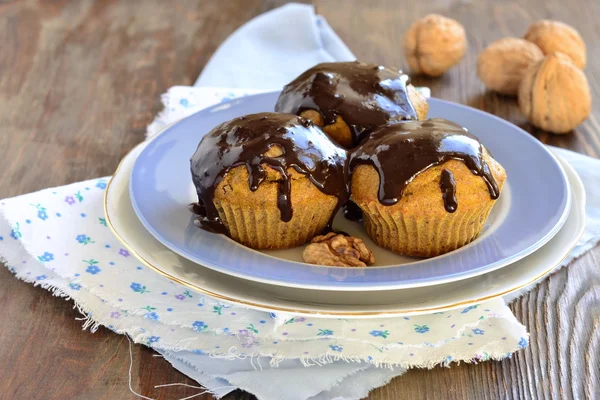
point(271, 49)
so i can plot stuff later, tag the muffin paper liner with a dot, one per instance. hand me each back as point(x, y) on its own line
point(420, 235)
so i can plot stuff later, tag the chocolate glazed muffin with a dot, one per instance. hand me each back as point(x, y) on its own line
point(425, 187)
point(349, 99)
point(268, 180)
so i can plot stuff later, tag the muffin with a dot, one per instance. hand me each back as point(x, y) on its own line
point(349, 99)
point(268, 180)
point(425, 187)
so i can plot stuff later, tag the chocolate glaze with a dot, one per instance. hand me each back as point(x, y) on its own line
point(364, 95)
point(246, 141)
point(401, 151)
point(352, 211)
point(448, 187)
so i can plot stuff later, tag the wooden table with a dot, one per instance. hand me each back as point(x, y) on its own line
point(79, 82)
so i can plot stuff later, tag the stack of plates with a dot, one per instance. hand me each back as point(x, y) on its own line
point(536, 222)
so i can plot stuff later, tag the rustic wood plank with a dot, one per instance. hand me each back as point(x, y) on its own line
point(81, 80)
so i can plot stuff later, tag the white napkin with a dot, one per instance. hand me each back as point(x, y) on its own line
point(58, 239)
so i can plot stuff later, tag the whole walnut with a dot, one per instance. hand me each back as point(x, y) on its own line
point(551, 36)
point(554, 94)
point(502, 64)
point(433, 44)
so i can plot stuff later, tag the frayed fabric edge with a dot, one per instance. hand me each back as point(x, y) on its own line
point(89, 323)
point(161, 119)
point(326, 359)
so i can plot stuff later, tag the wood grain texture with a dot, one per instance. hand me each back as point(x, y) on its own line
point(79, 82)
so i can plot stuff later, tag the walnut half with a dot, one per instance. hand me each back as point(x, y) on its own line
point(337, 250)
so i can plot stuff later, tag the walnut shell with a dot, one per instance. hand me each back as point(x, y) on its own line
point(503, 63)
point(554, 94)
point(338, 250)
point(433, 44)
point(551, 36)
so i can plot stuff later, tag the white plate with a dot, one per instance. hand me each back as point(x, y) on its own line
point(128, 229)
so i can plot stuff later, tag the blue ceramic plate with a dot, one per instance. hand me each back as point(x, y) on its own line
point(531, 210)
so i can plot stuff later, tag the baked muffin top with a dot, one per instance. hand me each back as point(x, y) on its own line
point(268, 145)
point(364, 95)
point(401, 151)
